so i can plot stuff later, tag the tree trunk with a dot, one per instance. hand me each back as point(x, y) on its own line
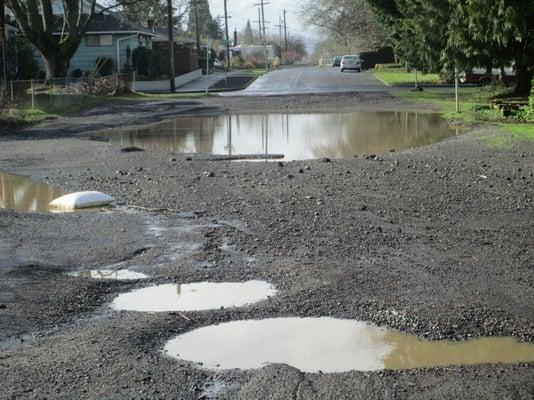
point(3, 44)
point(56, 65)
point(524, 75)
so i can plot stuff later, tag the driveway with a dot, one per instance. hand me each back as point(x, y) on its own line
point(308, 80)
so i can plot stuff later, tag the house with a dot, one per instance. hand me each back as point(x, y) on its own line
point(108, 36)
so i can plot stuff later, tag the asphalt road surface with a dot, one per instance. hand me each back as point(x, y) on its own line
point(307, 80)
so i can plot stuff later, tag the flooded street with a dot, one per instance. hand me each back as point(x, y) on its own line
point(331, 345)
point(296, 136)
point(405, 276)
point(23, 194)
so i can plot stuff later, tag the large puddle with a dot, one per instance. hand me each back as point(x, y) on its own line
point(297, 136)
point(22, 194)
point(194, 296)
point(333, 345)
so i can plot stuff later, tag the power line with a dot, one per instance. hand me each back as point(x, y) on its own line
point(227, 36)
point(259, 24)
point(280, 26)
point(262, 5)
point(285, 27)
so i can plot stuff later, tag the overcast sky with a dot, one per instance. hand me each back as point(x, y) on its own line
point(242, 10)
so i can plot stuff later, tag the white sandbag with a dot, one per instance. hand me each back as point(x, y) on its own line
point(82, 200)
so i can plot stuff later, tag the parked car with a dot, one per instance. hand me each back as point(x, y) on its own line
point(337, 61)
point(218, 64)
point(351, 62)
point(483, 77)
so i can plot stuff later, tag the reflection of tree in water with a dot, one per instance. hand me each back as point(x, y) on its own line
point(184, 135)
point(377, 132)
point(21, 193)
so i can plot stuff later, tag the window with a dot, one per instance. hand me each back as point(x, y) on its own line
point(106, 40)
point(98, 40)
point(92, 41)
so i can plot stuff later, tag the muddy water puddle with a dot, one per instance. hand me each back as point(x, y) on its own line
point(194, 296)
point(333, 345)
point(23, 194)
point(296, 136)
point(117, 275)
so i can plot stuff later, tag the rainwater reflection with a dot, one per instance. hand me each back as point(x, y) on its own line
point(297, 136)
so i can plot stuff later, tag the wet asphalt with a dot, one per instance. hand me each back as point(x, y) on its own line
point(311, 80)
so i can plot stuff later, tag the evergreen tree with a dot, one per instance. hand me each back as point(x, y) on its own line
point(209, 28)
point(441, 35)
point(248, 35)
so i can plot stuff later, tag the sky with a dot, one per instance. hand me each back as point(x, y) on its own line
point(243, 10)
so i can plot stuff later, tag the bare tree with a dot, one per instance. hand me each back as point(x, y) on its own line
point(350, 23)
point(57, 37)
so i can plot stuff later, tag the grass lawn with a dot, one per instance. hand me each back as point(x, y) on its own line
point(475, 107)
point(255, 72)
point(399, 76)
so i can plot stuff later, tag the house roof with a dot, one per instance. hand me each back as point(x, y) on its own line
point(112, 22)
point(107, 22)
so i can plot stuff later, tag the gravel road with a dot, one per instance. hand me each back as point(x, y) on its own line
point(436, 241)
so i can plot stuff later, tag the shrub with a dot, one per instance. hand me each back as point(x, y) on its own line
point(159, 64)
point(237, 62)
point(77, 73)
point(104, 66)
point(141, 61)
point(20, 61)
point(250, 64)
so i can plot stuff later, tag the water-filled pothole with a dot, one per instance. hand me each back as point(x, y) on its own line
point(333, 345)
point(118, 275)
point(297, 136)
point(194, 296)
point(22, 194)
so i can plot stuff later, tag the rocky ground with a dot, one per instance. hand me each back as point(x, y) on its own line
point(436, 241)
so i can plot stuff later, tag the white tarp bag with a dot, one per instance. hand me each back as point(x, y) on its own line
point(79, 200)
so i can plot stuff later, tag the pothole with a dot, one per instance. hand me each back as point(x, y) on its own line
point(20, 193)
point(194, 296)
point(296, 136)
point(333, 345)
point(118, 275)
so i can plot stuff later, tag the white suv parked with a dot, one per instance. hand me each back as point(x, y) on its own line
point(351, 62)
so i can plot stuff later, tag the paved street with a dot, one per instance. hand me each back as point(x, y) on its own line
point(305, 80)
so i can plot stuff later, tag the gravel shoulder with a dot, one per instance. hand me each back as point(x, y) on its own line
point(434, 241)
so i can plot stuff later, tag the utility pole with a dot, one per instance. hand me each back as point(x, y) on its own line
point(172, 73)
point(197, 28)
point(280, 26)
point(285, 27)
point(3, 42)
point(259, 25)
point(227, 36)
point(261, 17)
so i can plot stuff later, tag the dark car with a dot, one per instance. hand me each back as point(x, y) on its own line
point(483, 76)
point(337, 61)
